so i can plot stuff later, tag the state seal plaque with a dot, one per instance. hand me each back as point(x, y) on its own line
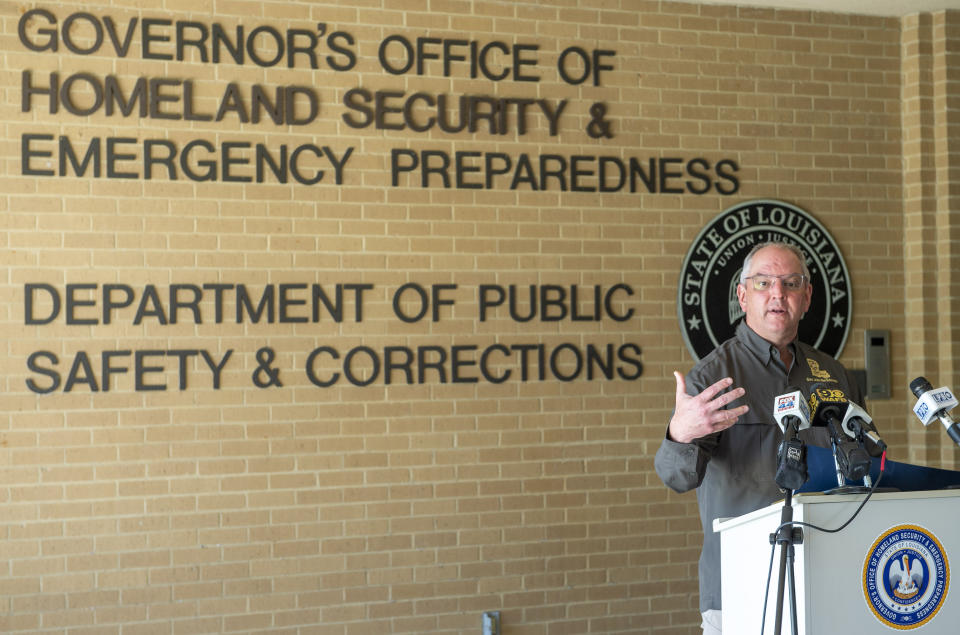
point(707, 305)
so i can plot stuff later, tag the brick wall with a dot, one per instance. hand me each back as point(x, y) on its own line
point(929, 53)
point(201, 494)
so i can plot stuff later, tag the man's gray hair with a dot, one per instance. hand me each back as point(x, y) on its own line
point(773, 243)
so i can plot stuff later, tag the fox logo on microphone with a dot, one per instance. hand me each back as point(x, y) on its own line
point(786, 402)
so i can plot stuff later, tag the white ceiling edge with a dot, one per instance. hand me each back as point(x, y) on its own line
point(891, 8)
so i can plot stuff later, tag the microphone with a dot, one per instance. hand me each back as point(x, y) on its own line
point(852, 460)
point(858, 425)
point(935, 404)
point(790, 411)
point(825, 405)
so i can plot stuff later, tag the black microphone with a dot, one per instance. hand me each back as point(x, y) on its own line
point(858, 425)
point(933, 404)
point(790, 411)
point(825, 408)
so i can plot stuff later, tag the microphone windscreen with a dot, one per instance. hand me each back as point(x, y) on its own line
point(919, 386)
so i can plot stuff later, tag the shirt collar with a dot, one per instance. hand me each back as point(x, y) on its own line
point(759, 347)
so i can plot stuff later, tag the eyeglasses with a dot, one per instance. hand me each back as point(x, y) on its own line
point(792, 282)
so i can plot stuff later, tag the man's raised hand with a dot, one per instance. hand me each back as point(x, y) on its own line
point(703, 414)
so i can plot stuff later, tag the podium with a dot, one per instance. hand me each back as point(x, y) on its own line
point(892, 569)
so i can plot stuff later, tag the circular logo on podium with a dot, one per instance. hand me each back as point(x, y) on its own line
point(707, 304)
point(906, 577)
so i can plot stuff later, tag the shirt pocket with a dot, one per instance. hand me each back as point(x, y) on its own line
point(748, 451)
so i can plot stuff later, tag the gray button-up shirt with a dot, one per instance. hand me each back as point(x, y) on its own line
point(733, 470)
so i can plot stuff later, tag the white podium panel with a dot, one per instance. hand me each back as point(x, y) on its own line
point(891, 570)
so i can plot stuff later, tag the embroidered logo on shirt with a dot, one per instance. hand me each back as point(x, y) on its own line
point(818, 375)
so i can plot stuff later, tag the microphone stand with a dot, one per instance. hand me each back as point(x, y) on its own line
point(837, 442)
point(841, 487)
point(787, 536)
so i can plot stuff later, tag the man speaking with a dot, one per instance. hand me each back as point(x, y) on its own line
point(722, 438)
